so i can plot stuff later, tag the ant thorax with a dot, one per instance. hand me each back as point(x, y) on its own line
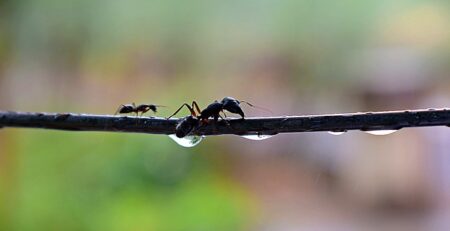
point(212, 110)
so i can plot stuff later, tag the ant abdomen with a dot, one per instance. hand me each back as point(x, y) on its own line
point(127, 108)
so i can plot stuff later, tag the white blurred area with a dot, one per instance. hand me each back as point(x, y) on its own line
point(315, 61)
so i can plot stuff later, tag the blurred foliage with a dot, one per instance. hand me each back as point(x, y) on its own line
point(120, 182)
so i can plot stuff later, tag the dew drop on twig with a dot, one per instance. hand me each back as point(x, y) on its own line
point(336, 133)
point(256, 137)
point(187, 141)
point(381, 132)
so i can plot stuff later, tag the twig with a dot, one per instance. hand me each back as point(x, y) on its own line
point(269, 125)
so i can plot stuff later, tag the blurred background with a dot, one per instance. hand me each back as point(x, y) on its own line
point(294, 57)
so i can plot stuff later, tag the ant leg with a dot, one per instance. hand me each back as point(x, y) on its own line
point(144, 111)
point(195, 105)
point(187, 105)
point(224, 120)
point(198, 127)
point(224, 114)
point(135, 108)
point(137, 116)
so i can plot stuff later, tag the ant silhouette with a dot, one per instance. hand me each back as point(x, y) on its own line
point(199, 117)
point(143, 108)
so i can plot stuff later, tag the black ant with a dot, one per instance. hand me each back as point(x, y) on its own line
point(143, 108)
point(199, 117)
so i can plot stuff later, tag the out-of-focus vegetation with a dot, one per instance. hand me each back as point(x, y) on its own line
point(295, 57)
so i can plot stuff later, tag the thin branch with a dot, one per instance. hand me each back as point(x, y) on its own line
point(269, 125)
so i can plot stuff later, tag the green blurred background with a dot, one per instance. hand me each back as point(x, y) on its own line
point(294, 57)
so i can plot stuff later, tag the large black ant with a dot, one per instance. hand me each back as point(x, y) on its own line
point(143, 108)
point(199, 117)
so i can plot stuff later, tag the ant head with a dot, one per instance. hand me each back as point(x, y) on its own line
point(152, 107)
point(147, 107)
point(230, 102)
point(232, 105)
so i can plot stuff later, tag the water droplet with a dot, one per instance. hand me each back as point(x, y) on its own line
point(336, 133)
point(187, 141)
point(257, 137)
point(381, 132)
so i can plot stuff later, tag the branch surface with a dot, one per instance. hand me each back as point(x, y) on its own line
point(389, 120)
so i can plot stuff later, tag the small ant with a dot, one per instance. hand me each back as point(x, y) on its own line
point(143, 108)
point(199, 117)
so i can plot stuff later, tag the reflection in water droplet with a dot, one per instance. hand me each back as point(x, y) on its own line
point(336, 133)
point(256, 137)
point(187, 141)
point(381, 132)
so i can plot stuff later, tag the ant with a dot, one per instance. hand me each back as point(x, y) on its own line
point(143, 108)
point(200, 117)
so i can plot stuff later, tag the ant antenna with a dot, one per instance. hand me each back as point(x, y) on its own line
point(260, 108)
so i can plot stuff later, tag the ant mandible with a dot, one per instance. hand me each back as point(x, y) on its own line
point(199, 117)
point(143, 108)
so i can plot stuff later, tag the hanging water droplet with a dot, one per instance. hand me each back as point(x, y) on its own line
point(336, 133)
point(381, 132)
point(187, 141)
point(257, 137)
